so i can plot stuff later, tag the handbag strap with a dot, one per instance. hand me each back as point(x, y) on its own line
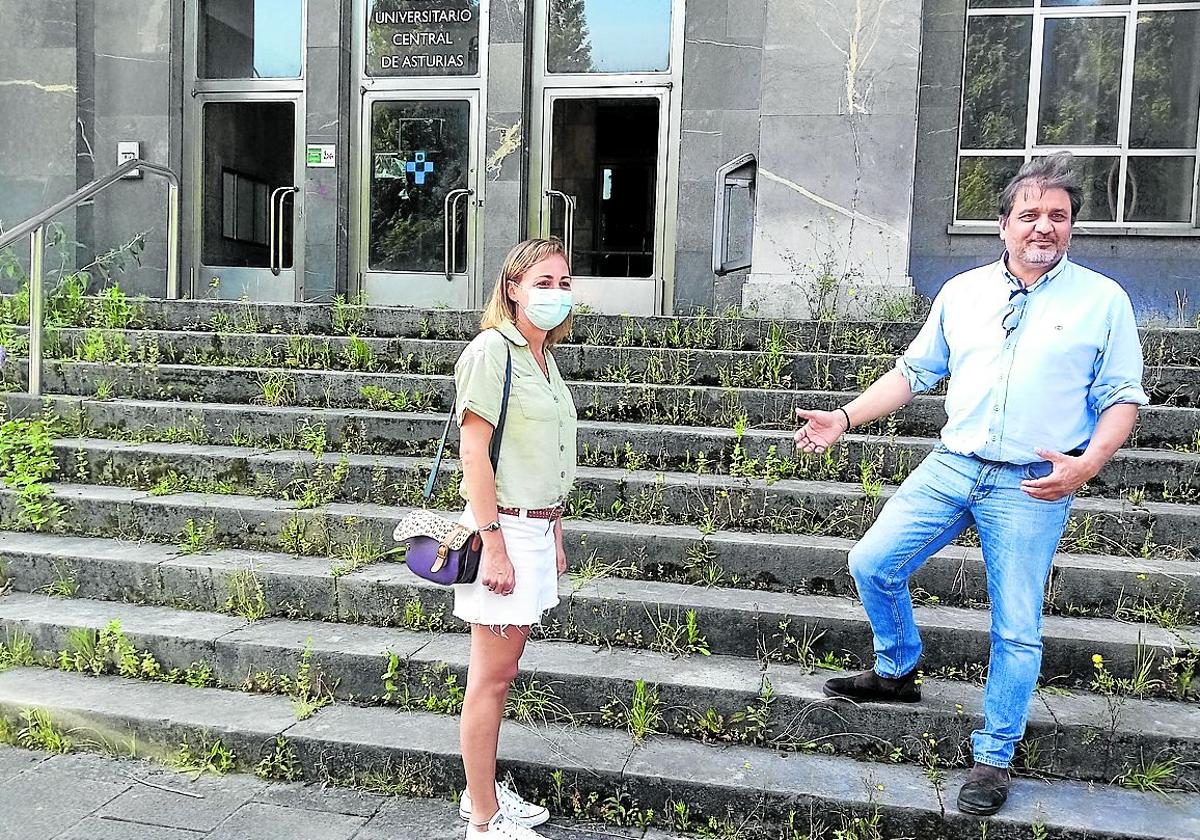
point(496, 435)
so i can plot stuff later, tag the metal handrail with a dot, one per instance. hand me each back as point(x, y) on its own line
point(35, 229)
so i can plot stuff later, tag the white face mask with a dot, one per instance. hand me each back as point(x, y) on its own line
point(547, 308)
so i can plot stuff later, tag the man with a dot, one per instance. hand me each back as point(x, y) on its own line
point(1046, 372)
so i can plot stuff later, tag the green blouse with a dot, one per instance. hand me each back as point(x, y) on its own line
point(537, 452)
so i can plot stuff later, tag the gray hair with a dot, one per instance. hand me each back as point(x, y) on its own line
point(1053, 172)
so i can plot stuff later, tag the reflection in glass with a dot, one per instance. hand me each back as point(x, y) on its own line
point(1099, 177)
point(1000, 4)
point(605, 154)
point(1166, 81)
point(996, 85)
point(418, 153)
point(609, 36)
point(980, 182)
point(1159, 189)
point(249, 152)
point(250, 39)
point(1081, 81)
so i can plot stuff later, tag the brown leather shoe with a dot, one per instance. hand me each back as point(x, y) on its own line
point(985, 791)
point(869, 686)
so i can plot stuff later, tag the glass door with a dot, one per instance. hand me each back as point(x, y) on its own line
point(602, 189)
point(418, 219)
point(250, 204)
point(244, 139)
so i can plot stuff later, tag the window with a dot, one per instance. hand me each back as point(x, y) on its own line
point(1116, 82)
point(609, 36)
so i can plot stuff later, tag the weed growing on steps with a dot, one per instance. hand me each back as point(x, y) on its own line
point(357, 355)
point(278, 389)
point(173, 482)
point(16, 651)
point(41, 733)
point(245, 595)
point(438, 689)
point(382, 399)
point(532, 702)
point(1156, 775)
point(281, 765)
point(347, 317)
point(642, 715)
point(107, 651)
point(197, 537)
point(410, 777)
point(27, 462)
point(309, 693)
point(356, 553)
point(206, 756)
point(65, 583)
point(677, 638)
point(305, 536)
point(319, 489)
point(104, 388)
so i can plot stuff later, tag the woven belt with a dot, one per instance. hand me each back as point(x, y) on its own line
point(537, 513)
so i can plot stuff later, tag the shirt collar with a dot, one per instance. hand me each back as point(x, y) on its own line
point(1015, 284)
point(509, 330)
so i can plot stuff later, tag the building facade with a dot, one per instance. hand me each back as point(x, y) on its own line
point(785, 156)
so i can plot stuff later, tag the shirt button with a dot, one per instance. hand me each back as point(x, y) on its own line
point(562, 475)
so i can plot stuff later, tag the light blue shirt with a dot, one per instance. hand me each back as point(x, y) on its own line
point(1074, 352)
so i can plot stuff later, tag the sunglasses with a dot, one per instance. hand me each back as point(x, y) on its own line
point(1012, 315)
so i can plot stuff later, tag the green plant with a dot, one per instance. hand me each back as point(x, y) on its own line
point(678, 639)
point(245, 595)
point(308, 694)
point(196, 538)
point(27, 462)
point(381, 399)
point(278, 389)
point(358, 355)
point(207, 756)
point(531, 702)
point(1153, 776)
point(642, 716)
point(281, 765)
point(41, 733)
point(16, 651)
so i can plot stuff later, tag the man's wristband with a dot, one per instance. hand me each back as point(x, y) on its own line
point(849, 425)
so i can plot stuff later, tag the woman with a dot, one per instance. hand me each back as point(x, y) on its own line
point(517, 508)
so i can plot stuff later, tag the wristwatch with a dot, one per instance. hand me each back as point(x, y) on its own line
point(495, 526)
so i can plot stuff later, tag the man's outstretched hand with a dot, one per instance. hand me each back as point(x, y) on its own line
point(821, 430)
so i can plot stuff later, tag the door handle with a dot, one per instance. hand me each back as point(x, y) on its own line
point(450, 229)
point(278, 195)
point(569, 202)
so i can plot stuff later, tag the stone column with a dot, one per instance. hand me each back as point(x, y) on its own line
point(838, 134)
point(502, 217)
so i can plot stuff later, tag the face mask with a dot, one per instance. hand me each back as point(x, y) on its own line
point(547, 308)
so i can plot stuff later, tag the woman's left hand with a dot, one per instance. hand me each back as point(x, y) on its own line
point(562, 558)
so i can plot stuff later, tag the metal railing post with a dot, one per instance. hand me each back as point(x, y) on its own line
point(172, 241)
point(37, 246)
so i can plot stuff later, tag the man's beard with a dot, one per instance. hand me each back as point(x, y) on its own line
point(1033, 255)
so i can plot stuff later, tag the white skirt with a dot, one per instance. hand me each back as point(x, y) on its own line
point(530, 544)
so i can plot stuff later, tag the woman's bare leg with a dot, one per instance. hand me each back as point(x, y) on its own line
point(494, 657)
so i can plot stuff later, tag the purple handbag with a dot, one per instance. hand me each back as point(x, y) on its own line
point(439, 549)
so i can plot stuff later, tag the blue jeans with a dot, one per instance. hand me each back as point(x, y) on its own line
point(1019, 535)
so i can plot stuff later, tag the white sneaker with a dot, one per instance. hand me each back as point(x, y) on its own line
point(511, 805)
point(501, 827)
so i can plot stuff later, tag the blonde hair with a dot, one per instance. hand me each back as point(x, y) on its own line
point(524, 256)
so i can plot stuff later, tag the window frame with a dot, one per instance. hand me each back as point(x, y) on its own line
point(1041, 13)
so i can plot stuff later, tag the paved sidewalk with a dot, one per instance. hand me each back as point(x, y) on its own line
point(92, 797)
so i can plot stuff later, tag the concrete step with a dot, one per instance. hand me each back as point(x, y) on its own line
point(748, 784)
point(1078, 736)
point(1158, 426)
point(1182, 345)
point(1155, 474)
point(782, 367)
point(1082, 583)
point(805, 629)
point(710, 502)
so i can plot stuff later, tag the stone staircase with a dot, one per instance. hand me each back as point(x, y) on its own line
point(196, 520)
